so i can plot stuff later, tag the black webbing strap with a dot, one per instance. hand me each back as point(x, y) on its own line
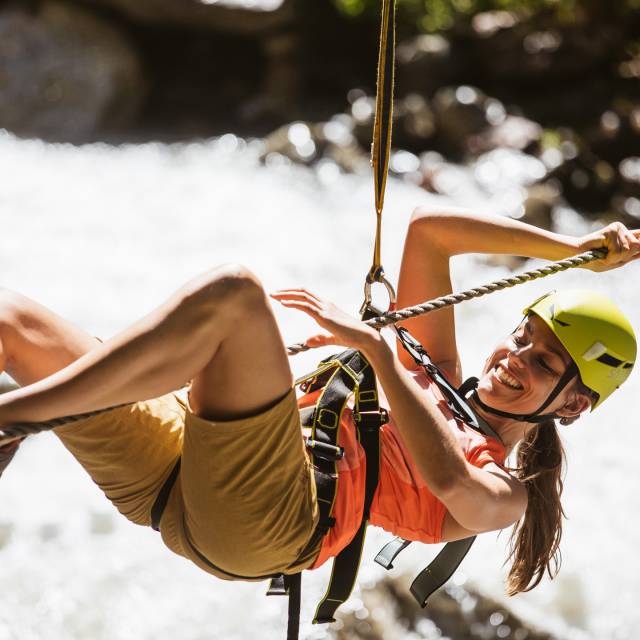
point(294, 587)
point(368, 419)
point(440, 569)
point(388, 553)
point(291, 586)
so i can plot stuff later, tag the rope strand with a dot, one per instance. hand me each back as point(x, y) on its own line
point(394, 317)
point(27, 428)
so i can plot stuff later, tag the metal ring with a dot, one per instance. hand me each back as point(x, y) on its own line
point(367, 293)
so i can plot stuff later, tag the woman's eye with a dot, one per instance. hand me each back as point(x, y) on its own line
point(545, 366)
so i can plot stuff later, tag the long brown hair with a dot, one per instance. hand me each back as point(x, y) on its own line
point(534, 545)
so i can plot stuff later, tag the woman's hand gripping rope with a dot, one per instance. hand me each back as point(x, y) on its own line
point(622, 245)
point(344, 330)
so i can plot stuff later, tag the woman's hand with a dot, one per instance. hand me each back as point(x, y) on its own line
point(344, 329)
point(622, 244)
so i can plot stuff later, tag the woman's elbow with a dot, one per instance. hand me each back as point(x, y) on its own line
point(430, 226)
point(483, 510)
point(423, 215)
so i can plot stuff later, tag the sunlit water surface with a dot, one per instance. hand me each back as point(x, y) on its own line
point(103, 234)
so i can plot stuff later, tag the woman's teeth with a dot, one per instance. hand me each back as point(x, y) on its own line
point(505, 378)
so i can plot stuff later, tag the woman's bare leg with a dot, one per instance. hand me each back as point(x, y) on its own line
point(35, 342)
point(218, 331)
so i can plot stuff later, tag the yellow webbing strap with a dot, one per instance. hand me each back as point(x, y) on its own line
point(381, 147)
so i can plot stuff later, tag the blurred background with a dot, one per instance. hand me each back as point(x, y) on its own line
point(143, 142)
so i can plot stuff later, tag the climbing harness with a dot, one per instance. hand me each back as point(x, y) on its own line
point(338, 378)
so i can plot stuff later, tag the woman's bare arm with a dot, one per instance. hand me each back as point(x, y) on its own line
point(435, 236)
point(478, 499)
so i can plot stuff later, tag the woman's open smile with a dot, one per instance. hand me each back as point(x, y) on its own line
point(503, 376)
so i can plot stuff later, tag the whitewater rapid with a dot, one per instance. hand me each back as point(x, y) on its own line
point(103, 234)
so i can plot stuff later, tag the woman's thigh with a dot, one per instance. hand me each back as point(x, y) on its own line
point(249, 371)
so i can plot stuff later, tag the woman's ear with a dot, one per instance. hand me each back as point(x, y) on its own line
point(574, 407)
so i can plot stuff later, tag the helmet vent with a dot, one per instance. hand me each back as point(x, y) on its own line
point(552, 310)
point(594, 352)
point(610, 360)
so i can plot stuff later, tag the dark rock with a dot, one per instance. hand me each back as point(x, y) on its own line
point(65, 74)
point(459, 114)
point(629, 170)
point(414, 123)
point(616, 135)
point(588, 182)
point(281, 85)
point(541, 64)
point(541, 49)
point(488, 23)
point(293, 141)
point(426, 63)
point(626, 203)
point(307, 143)
point(362, 110)
point(389, 612)
point(539, 204)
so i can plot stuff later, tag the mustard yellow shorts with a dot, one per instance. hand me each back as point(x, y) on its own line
point(244, 503)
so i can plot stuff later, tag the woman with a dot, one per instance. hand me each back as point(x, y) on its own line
point(244, 502)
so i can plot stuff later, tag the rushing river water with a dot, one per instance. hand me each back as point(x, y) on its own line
point(103, 234)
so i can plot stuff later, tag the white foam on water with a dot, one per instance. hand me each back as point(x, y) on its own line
point(102, 235)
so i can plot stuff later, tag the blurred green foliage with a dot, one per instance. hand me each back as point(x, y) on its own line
point(440, 15)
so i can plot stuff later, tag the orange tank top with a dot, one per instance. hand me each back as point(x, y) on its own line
point(402, 504)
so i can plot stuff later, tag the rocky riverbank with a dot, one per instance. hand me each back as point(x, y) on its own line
point(564, 94)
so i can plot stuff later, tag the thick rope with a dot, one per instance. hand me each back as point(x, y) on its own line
point(28, 428)
point(394, 317)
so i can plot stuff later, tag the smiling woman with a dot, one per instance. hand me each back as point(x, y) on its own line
point(229, 468)
point(565, 338)
point(570, 352)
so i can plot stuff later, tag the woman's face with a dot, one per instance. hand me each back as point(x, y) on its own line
point(524, 369)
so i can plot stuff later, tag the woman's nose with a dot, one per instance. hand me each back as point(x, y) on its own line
point(514, 357)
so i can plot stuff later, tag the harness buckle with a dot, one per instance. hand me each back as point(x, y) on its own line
point(371, 420)
point(329, 452)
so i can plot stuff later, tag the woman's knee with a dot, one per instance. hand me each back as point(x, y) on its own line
point(12, 305)
point(233, 284)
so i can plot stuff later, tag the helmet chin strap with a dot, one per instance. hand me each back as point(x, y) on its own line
point(537, 416)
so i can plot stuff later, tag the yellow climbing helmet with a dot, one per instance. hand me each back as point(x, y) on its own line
point(594, 331)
